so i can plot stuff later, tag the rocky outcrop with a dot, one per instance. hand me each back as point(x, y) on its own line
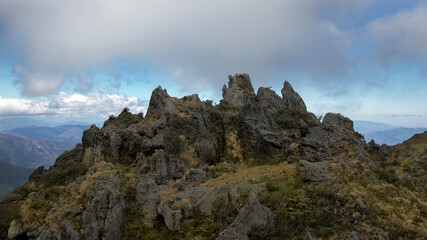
point(292, 98)
point(251, 215)
point(179, 164)
point(105, 210)
point(338, 120)
point(239, 91)
point(261, 139)
point(239, 191)
point(15, 230)
point(160, 103)
point(314, 172)
point(162, 166)
point(334, 136)
point(148, 198)
point(194, 178)
point(269, 100)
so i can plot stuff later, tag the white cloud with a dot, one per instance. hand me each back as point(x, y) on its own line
point(198, 42)
point(401, 36)
point(72, 105)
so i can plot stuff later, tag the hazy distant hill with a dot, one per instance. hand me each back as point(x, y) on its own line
point(63, 132)
point(368, 126)
point(385, 133)
point(10, 123)
point(12, 177)
point(31, 153)
point(393, 136)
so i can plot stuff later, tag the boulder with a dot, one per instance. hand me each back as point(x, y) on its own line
point(15, 230)
point(253, 214)
point(338, 120)
point(314, 172)
point(172, 218)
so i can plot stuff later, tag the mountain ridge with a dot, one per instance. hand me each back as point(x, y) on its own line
point(30, 153)
point(255, 166)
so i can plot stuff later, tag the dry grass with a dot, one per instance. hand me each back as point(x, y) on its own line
point(167, 193)
point(245, 172)
point(394, 207)
point(235, 146)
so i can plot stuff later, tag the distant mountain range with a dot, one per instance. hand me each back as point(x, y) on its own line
point(59, 133)
point(383, 133)
point(9, 123)
point(31, 153)
point(393, 136)
point(12, 177)
point(28, 143)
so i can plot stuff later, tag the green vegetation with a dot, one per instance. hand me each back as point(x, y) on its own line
point(124, 120)
point(300, 206)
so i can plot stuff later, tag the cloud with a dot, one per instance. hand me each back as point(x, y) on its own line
point(400, 37)
point(197, 42)
point(72, 105)
point(36, 84)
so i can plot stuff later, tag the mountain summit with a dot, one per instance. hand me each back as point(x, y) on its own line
point(254, 166)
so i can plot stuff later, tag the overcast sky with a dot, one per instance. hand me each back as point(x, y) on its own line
point(366, 59)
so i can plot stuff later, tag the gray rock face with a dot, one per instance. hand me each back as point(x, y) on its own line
point(15, 230)
point(205, 149)
point(162, 166)
point(159, 103)
point(148, 198)
point(314, 172)
point(251, 215)
point(104, 213)
point(89, 136)
point(239, 90)
point(115, 142)
point(269, 100)
point(292, 98)
point(262, 140)
point(353, 236)
point(192, 179)
point(338, 120)
point(149, 145)
point(69, 231)
point(318, 143)
point(172, 218)
point(198, 198)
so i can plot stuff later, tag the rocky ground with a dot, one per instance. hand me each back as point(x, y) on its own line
point(254, 166)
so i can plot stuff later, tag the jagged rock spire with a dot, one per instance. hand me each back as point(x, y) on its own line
point(239, 90)
point(292, 98)
point(268, 99)
point(159, 103)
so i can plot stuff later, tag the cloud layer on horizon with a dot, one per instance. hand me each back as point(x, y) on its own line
point(71, 105)
point(199, 42)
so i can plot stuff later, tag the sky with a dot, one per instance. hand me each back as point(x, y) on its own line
point(88, 59)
